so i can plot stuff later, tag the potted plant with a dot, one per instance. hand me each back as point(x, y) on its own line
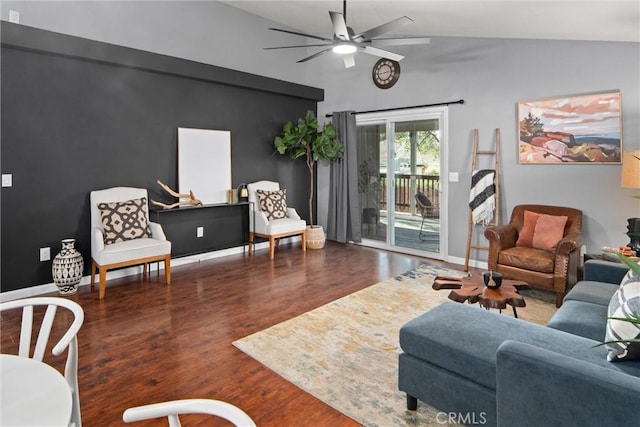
point(304, 139)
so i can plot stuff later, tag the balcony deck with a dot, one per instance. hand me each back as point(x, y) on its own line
point(407, 230)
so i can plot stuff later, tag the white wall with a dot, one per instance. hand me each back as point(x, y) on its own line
point(203, 31)
point(491, 75)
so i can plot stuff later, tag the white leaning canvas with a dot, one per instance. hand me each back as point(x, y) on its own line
point(204, 164)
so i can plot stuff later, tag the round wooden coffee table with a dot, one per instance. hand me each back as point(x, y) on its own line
point(473, 290)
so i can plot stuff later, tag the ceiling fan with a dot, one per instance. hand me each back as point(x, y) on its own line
point(346, 42)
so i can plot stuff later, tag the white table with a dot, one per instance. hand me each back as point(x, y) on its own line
point(32, 393)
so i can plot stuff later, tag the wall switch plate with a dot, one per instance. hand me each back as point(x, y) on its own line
point(453, 177)
point(45, 254)
point(200, 232)
point(7, 180)
point(14, 16)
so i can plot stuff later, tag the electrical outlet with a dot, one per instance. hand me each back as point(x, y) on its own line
point(45, 254)
point(200, 232)
point(7, 180)
point(453, 177)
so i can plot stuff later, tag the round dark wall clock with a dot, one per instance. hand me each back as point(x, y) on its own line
point(385, 73)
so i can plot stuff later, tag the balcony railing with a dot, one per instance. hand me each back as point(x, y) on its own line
point(405, 193)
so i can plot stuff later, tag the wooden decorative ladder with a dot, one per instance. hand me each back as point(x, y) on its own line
point(495, 153)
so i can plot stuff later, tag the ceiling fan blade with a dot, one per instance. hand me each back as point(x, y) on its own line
point(382, 29)
point(301, 34)
point(315, 55)
point(349, 60)
point(382, 53)
point(339, 26)
point(292, 47)
point(401, 41)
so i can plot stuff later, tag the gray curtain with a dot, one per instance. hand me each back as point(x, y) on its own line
point(343, 223)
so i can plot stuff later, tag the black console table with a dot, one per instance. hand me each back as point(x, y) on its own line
point(224, 225)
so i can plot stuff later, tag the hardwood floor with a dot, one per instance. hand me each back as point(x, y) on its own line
point(148, 342)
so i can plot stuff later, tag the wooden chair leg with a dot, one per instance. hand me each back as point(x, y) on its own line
point(103, 281)
point(304, 241)
point(93, 274)
point(251, 238)
point(272, 247)
point(559, 298)
point(167, 269)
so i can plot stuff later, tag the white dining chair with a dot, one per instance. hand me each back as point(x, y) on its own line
point(172, 409)
point(68, 341)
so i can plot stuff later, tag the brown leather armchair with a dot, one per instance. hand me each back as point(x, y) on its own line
point(550, 270)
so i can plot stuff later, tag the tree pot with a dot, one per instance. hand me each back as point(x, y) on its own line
point(315, 237)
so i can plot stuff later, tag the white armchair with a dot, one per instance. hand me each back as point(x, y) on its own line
point(283, 222)
point(122, 235)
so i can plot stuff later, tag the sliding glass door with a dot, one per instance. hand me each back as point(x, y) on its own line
point(401, 160)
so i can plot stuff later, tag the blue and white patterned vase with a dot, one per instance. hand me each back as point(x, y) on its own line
point(67, 268)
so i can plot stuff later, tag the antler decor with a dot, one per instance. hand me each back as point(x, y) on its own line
point(192, 201)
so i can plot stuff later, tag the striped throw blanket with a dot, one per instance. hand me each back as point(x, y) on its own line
point(482, 200)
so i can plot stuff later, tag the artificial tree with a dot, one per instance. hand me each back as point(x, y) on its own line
point(303, 139)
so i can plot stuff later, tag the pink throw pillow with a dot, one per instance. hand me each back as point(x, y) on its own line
point(548, 232)
point(525, 238)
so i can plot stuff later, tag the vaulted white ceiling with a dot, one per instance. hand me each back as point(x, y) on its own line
point(609, 20)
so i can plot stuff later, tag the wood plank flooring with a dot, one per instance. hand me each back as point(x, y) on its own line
point(148, 342)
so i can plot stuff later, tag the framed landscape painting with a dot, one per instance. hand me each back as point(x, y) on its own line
point(584, 129)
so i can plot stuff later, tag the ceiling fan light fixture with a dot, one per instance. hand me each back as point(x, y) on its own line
point(346, 42)
point(344, 48)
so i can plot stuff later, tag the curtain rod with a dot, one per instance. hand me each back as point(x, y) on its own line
point(404, 108)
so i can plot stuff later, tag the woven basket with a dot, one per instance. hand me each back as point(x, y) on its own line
point(315, 237)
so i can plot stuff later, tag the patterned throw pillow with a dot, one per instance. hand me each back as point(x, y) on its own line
point(273, 203)
point(624, 304)
point(124, 220)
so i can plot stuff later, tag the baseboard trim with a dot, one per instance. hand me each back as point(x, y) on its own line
point(48, 288)
point(124, 272)
point(472, 262)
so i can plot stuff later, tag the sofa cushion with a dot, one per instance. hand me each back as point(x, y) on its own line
point(581, 318)
point(593, 292)
point(604, 271)
point(273, 203)
point(625, 304)
point(286, 225)
point(464, 339)
point(132, 249)
point(122, 221)
point(527, 258)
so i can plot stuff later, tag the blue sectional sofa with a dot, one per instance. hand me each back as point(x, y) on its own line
point(481, 367)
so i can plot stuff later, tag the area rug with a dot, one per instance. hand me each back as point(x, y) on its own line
point(345, 353)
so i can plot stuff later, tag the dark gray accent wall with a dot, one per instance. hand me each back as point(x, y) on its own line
point(80, 115)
